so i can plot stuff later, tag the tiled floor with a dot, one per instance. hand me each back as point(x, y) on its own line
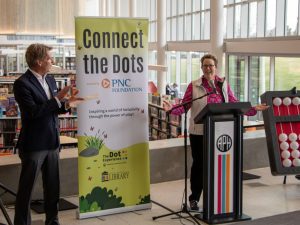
point(262, 197)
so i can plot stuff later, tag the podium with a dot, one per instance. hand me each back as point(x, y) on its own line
point(223, 162)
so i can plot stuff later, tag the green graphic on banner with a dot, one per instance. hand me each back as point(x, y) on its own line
point(113, 151)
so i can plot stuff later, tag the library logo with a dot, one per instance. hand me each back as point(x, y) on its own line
point(105, 83)
point(114, 176)
point(105, 176)
point(224, 143)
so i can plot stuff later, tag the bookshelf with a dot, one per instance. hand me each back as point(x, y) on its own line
point(10, 125)
point(7, 82)
point(68, 125)
point(8, 133)
point(161, 124)
point(10, 128)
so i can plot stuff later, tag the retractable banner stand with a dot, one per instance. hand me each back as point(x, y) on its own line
point(113, 153)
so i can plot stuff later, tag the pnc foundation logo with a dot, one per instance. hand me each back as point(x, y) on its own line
point(224, 143)
point(105, 83)
point(123, 85)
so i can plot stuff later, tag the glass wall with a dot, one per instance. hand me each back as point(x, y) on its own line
point(12, 59)
point(183, 67)
point(251, 76)
point(258, 81)
point(261, 18)
point(172, 67)
point(259, 77)
point(152, 74)
point(287, 73)
point(196, 65)
point(237, 76)
point(188, 20)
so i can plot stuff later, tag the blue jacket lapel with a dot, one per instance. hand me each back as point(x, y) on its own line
point(52, 87)
point(36, 83)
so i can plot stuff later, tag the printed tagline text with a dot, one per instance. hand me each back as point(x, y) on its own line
point(112, 113)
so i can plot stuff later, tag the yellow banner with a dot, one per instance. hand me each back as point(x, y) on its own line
point(113, 154)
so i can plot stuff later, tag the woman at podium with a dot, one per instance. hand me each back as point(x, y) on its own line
point(221, 92)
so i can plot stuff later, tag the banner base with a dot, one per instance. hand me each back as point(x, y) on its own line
point(113, 211)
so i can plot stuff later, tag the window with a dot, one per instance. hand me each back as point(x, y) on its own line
point(261, 18)
point(195, 65)
point(188, 20)
point(237, 21)
point(236, 71)
point(287, 73)
point(291, 26)
point(259, 80)
point(152, 74)
point(183, 71)
point(253, 19)
point(270, 18)
point(172, 67)
point(183, 67)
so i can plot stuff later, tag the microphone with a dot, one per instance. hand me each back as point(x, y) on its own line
point(212, 84)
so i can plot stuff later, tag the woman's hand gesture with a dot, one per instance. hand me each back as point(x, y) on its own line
point(261, 107)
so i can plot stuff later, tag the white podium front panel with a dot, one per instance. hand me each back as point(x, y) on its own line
point(223, 167)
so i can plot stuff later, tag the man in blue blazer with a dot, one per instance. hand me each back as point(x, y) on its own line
point(38, 144)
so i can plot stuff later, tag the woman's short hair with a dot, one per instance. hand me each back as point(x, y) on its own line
point(36, 52)
point(210, 56)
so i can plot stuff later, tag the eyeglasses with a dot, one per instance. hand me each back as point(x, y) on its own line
point(206, 66)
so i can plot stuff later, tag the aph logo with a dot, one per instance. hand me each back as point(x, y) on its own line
point(224, 143)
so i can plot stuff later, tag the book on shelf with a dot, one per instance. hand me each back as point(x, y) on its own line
point(164, 126)
point(163, 135)
point(155, 123)
point(3, 100)
point(154, 134)
point(154, 111)
point(1, 140)
point(11, 111)
point(3, 93)
point(162, 114)
point(11, 108)
point(68, 123)
point(174, 119)
point(175, 131)
point(7, 126)
point(156, 100)
point(7, 141)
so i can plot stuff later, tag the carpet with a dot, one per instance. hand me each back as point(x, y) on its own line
point(291, 218)
point(38, 205)
point(249, 176)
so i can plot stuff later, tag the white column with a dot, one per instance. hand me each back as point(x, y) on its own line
point(80, 8)
point(132, 8)
point(161, 44)
point(216, 31)
point(117, 8)
point(108, 7)
point(262, 75)
point(64, 58)
point(18, 58)
point(102, 7)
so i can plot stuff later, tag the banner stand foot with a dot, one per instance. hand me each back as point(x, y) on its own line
point(178, 213)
